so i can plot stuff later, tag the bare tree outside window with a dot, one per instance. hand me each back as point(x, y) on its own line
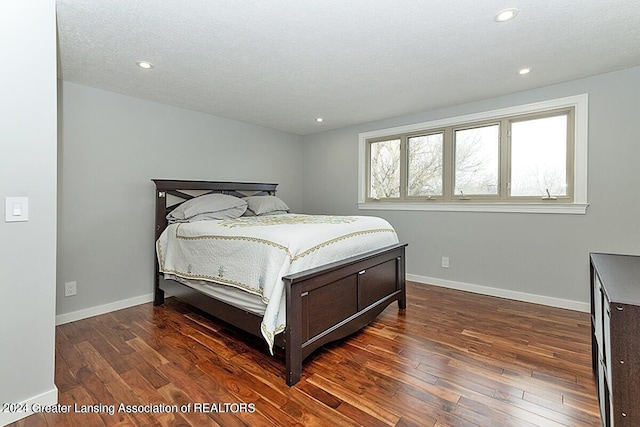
point(385, 169)
point(425, 165)
point(477, 152)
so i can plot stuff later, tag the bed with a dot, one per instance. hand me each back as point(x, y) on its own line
point(322, 295)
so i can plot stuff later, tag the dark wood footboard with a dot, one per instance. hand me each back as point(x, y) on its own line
point(328, 303)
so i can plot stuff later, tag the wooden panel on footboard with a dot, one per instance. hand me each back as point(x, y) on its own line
point(332, 302)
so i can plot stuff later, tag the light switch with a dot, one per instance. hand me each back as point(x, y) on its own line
point(17, 209)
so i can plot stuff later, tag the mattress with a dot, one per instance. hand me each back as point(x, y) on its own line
point(252, 254)
point(234, 296)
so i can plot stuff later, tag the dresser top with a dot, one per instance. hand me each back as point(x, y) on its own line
point(620, 276)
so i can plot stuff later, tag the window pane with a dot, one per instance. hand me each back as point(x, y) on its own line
point(477, 153)
point(539, 157)
point(425, 165)
point(385, 169)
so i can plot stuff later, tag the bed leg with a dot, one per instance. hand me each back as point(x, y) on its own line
point(400, 271)
point(294, 369)
point(158, 294)
point(158, 297)
point(402, 302)
point(293, 353)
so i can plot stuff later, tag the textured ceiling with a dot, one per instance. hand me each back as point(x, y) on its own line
point(282, 63)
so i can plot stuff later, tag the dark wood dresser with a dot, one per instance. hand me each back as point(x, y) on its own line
point(615, 323)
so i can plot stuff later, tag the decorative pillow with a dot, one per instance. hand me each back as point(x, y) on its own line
point(265, 205)
point(209, 206)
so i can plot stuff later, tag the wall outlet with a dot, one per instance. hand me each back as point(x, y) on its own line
point(445, 262)
point(70, 289)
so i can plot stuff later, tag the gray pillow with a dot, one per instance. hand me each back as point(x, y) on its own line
point(265, 205)
point(210, 206)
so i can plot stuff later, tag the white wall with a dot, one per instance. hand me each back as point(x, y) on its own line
point(537, 257)
point(28, 168)
point(110, 148)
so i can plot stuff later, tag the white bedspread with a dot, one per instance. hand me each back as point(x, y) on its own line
point(254, 253)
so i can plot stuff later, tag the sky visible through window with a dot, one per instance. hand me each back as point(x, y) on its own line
point(539, 157)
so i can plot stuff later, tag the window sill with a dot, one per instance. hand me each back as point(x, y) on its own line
point(545, 208)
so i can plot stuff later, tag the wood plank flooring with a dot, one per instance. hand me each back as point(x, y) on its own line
point(451, 359)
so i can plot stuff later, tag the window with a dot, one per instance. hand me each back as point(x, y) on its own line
point(539, 150)
point(476, 161)
point(530, 158)
point(385, 169)
point(424, 163)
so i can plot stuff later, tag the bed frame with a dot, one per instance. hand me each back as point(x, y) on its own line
point(322, 304)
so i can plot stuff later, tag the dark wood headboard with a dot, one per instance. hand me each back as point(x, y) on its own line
point(181, 189)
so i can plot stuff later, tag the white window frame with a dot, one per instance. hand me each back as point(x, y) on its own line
point(580, 159)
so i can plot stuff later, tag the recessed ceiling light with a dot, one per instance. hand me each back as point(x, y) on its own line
point(319, 120)
point(506, 15)
point(523, 71)
point(144, 64)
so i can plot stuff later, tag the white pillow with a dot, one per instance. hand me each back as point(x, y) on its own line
point(265, 205)
point(209, 206)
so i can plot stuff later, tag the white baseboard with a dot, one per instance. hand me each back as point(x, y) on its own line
point(47, 398)
point(102, 309)
point(478, 289)
point(502, 293)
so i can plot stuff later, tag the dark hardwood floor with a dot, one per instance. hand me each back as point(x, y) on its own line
point(451, 359)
